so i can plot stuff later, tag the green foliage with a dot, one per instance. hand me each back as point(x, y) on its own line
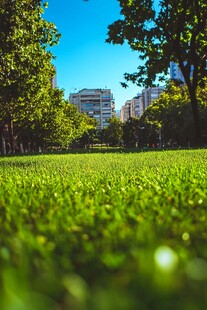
point(172, 114)
point(141, 132)
point(25, 61)
point(32, 114)
point(131, 132)
point(113, 133)
point(164, 31)
point(89, 136)
point(25, 64)
point(62, 123)
point(112, 231)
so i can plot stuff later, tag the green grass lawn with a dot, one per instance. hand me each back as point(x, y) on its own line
point(104, 231)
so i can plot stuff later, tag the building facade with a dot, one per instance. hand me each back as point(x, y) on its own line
point(132, 108)
point(117, 113)
point(54, 79)
point(137, 106)
point(125, 111)
point(95, 103)
point(175, 72)
point(150, 94)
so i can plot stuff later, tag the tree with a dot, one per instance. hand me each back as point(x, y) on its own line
point(25, 62)
point(61, 123)
point(89, 137)
point(173, 30)
point(130, 132)
point(168, 113)
point(171, 116)
point(113, 133)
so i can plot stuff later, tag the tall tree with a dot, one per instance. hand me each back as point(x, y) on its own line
point(130, 132)
point(163, 31)
point(170, 115)
point(25, 60)
point(113, 132)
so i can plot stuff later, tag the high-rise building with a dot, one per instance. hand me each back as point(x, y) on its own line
point(117, 113)
point(54, 79)
point(150, 94)
point(137, 106)
point(175, 72)
point(96, 103)
point(125, 111)
point(132, 108)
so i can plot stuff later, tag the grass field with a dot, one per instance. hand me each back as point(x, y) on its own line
point(104, 231)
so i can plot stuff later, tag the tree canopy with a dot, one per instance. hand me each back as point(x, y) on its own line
point(113, 133)
point(170, 115)
point(25, 61)
point(31, 111)
point(164, 31)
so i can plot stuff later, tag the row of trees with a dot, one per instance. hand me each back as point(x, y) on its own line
point(168, 122)
point(32, 114)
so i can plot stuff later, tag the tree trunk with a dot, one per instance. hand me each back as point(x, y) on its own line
point(21, 147)
point(11, 127)
point(196, 116)
point(3, 143)
point(192, 84)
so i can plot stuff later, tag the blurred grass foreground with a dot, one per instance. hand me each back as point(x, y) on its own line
point(104, 231)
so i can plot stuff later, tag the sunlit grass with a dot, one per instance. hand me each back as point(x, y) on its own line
point(104, 231)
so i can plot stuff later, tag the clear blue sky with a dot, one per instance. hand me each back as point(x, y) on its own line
point(83, 59)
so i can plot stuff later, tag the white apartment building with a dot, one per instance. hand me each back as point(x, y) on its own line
point(96, 103)
point(125, 111)
point(132, 108)
point(137, 106)
point(54, 79)
point(150, 94)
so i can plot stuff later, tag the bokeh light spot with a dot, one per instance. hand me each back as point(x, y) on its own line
point(166, 259)
point(185, 236)
point(196, 269)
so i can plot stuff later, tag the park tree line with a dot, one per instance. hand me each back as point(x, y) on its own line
point(167, 122)
point(33, 115)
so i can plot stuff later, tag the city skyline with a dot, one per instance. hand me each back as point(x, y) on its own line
point(83, 59)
